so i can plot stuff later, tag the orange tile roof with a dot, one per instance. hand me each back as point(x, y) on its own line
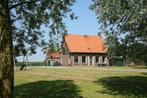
point(85, 43)
point(54, 55)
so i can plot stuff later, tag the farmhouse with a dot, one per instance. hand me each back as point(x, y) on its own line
point(88, 50)
point(84, 50)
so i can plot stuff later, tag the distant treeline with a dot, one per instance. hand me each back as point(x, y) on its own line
point(30, 64)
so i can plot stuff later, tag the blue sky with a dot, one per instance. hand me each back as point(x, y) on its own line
point(85, 24)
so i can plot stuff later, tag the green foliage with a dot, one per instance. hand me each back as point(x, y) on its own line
point(19, 64)
point(125, 25)
point(122, 15)
point(53, 47)
point(29, 16)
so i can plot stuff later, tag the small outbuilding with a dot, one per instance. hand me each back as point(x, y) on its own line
point(53, 58)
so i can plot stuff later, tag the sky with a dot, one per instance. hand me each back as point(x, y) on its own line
point(86, 24)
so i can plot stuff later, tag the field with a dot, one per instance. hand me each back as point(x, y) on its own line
point(81, 82)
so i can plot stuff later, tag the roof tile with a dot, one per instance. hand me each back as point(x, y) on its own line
point(85, 43)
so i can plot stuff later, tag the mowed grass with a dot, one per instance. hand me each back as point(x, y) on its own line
point(76, 82)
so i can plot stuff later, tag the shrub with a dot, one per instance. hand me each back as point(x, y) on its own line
point(30, 64)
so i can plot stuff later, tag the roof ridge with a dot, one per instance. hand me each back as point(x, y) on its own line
point(81, 34)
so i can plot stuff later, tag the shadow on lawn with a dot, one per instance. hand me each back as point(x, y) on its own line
point(138, 67)
point(144, 73)
point(48, 89)
point(125, 86)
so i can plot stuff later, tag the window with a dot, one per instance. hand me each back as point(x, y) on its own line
point(75, 59)
point(103, 59)
point(83, 59)
point(96, 59)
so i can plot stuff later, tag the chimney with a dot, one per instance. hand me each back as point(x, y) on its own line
point(99, 34)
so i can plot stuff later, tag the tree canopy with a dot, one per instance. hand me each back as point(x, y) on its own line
point(125, 25)
point(28, 18)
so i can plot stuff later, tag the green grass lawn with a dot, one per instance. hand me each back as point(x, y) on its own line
point(80, 83)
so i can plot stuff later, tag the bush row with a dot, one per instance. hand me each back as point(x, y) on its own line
point(30, 64)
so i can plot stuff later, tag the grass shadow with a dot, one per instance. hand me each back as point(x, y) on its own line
point(48, 89)
point(138, 67)
point(144, 73)
point(125, 86)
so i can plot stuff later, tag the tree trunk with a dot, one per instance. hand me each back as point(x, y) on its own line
point(6, 52)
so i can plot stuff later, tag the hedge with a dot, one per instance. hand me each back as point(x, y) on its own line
point(30, 64)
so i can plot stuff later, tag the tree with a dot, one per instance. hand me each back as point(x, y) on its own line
point(124, 21)
point(21, 23)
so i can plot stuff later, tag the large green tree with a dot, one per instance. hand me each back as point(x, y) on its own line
point(125, 25)
point(21, 23)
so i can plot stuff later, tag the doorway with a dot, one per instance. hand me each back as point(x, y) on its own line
point(90, 60)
